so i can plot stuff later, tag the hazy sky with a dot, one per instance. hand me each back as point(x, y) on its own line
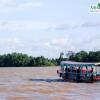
point(48, 27)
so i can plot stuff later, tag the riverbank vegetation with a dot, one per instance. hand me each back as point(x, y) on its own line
point(19, 59)
point(84, 56)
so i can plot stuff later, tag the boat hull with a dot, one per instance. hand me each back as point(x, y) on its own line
point(73, 77)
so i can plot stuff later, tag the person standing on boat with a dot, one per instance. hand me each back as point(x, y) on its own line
point(66, 72)
point(78, 73)
point(92, 74)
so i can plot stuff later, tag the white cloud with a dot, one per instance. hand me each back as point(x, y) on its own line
point(9, 6)
point(23, 25)
point(60, 43)
point(61, 27)
point(30, 4)
point(67, 43)
point(49, 48)
point(13, 41)
point(33, 24)
point(89, 43)
point(90, 24)
point(67, 26)
point(7, 2)
point(10, 44)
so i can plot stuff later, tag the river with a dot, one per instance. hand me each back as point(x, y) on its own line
point(42, 83)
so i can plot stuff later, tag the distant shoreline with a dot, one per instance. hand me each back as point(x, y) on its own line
point(23, 60)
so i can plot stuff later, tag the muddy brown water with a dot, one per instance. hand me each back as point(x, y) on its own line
point(42, 83)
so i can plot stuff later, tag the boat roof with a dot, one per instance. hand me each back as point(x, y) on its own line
point(69, 63)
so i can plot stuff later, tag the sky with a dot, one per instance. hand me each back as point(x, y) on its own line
point(48, 27)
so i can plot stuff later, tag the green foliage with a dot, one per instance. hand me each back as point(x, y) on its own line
point(19, 60)
point(23, 60)
point(84, 56)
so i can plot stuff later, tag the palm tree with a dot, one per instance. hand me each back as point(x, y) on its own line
point(98, 6)
point(69, 53)
point(61, 55)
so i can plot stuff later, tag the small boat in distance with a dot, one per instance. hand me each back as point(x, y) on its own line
point(79, 71)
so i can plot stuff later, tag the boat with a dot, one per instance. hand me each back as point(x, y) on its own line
point(79, 71)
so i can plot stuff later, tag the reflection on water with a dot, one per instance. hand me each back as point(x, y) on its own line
point(43, 84)
point(47, 80)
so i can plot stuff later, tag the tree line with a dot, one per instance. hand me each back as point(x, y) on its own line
point(19, 60)
point(23, 60)
point(83, 56)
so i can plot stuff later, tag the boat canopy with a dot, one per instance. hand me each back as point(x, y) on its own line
point(97, 64)
point(75, 64)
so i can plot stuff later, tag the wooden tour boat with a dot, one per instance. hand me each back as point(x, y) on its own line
point(79, 71)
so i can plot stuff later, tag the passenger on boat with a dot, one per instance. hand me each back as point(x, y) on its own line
point(92, 70)
point(66, 72)
point(73, 69)
point(92, 74)
point(66, 69)
point(78, 73)
point(83, 72)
